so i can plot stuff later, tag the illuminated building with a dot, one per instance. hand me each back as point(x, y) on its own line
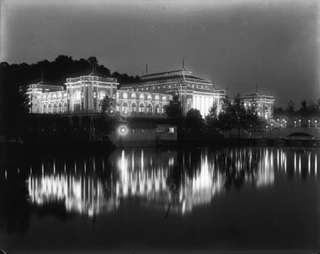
point(194, 92)
point(140, 103)
point(85, 94)
point(262, 104)
point(47, 98)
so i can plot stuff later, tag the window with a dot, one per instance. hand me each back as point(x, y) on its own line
point(77, 95)
point(141, 108)
point(102, 95)
point(171, 129)
point(134, 107)
point(125, 95)
point(133, 95)
point(125, 108)
point(142, 96)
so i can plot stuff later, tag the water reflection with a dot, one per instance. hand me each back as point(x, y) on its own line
point(172, 180)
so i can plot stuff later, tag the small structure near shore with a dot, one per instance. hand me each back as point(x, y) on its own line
point(144, 134)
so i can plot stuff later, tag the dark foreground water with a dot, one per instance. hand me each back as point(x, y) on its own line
point(133, 199)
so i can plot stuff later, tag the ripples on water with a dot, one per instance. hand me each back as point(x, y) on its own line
point(162, 179)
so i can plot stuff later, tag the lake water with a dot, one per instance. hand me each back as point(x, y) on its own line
point(136, 199)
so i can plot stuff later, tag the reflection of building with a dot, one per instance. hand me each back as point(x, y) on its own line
point(194, 92)
point(263, 104)
point(85, 94)
point(83, 195)
point(151, 176)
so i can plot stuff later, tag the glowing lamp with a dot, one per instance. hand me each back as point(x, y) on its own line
point(123, 130)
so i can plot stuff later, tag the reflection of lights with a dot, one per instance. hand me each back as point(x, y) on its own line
point(309, 162)
point(78, 195)
point(299, 164)
point(149, 180)
point(316, 164)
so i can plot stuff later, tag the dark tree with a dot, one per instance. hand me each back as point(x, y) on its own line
point(14, 79)
point(194, 122)
point(235, 116)
point(290, 108)
point(174, 109)
point(107, 105)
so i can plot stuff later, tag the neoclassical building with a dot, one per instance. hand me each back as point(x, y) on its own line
point(193, 91)
point(262, 104)
point(84, 94)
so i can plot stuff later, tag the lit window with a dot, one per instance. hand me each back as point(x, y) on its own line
point(133, 95)
point(141, 108)
point(149, 97)
point(102, 95)
point(157, 97)
point(125, 95)
point(77, 95)
point(141, 96)
point(164, 98)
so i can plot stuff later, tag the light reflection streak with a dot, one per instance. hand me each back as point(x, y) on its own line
point(148, 176)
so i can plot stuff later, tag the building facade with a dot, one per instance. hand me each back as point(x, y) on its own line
point(262, 104)
point(194, 92)
point(85, 94)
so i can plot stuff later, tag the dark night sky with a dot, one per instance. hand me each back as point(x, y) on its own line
point(237, 44)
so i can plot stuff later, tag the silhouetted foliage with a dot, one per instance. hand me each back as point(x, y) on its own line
point(107, 105)
point(174, 109)
point(194, 122)
point(15, 78)
point(307, 109)
point(234, 115)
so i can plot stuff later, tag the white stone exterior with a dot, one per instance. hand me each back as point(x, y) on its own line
point(84, 94)
point(194, 92)
point(138, 103)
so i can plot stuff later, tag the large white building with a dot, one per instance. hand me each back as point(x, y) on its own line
point(85, 94)
point(194, 92)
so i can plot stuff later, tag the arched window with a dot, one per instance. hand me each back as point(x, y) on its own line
point(125, 108)
point(133, 95)
point(49, 108)
point(134, 107)
point(141, 107)
point(157, 109)
point(142, 96)
point(55, 108)
point(65, 107)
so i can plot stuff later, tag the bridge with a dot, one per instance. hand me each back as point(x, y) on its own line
point(312, 132)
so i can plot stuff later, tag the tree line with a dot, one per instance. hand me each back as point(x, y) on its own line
point(233, 116)
point(306, 109)
point(14, 79)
